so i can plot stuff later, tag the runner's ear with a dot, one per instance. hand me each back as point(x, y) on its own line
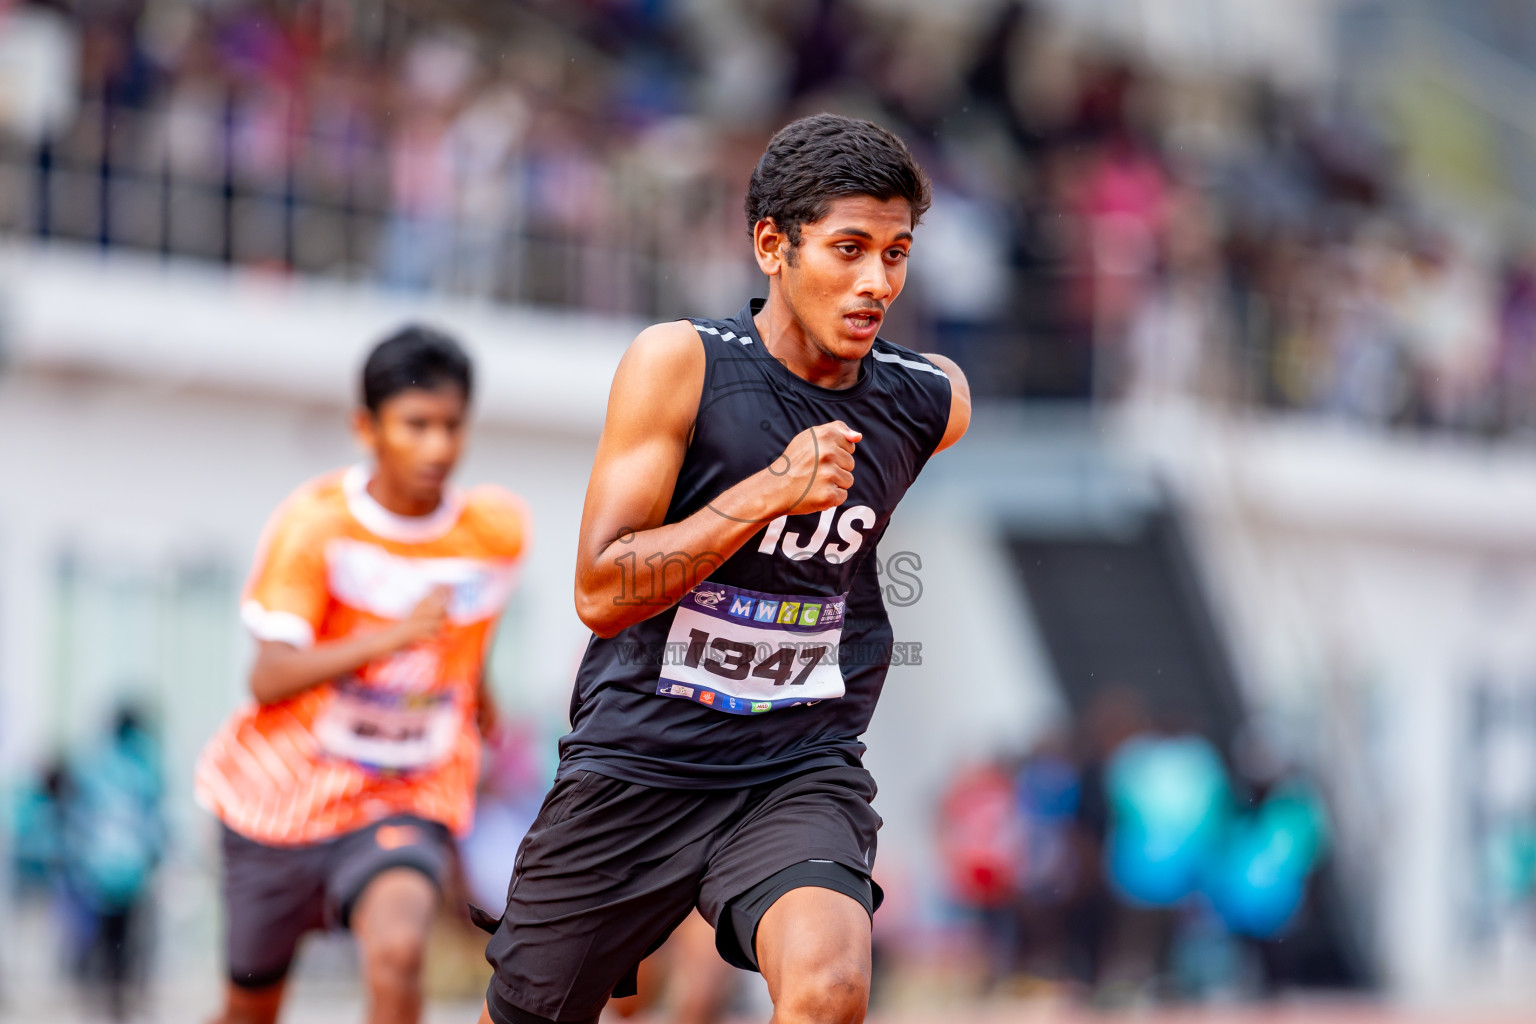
point(364, 429)
point(769, 245)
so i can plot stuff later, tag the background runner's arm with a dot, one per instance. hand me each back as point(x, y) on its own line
point(629, 566)
point(283, 670)
point(487, 714)
point(959, 399)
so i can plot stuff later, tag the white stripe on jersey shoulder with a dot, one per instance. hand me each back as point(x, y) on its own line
point(911, 364)
point(283, 627)
point(745, 339)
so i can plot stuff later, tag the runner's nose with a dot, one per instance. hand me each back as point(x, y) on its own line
point(876, 282)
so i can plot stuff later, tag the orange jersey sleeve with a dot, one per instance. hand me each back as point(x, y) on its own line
point(287, 596)
point(500, 520)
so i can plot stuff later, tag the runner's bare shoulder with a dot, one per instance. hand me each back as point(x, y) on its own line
point(659, 380)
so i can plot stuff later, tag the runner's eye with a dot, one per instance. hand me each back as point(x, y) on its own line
point(848, 249)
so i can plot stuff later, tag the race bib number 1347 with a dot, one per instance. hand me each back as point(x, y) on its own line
point(745, 653)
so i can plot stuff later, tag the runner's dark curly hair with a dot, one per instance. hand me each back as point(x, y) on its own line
point(415, 356)
point(812, 161)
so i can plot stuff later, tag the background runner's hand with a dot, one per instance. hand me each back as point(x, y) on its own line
point(816, 469)
point(426, 620)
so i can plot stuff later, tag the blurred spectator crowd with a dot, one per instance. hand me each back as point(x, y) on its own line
point(1128, 858)
point(1102, 228)
point(88, 834)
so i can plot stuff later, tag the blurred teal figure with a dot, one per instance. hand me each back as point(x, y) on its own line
point(1169, 800)
point(1258, 879)
point(111, 839)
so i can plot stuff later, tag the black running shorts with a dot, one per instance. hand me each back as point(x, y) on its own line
point(274, 894)
point(610, 868)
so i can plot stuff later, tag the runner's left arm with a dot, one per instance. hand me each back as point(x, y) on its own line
point(959, 399)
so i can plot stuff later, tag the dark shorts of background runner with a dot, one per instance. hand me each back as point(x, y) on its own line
point(610, 868)
point(274, 894)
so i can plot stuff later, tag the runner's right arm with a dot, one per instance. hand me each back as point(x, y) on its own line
point(625, 548)
point(283, 670)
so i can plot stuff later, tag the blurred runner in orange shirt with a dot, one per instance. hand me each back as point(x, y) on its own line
point(373, 600)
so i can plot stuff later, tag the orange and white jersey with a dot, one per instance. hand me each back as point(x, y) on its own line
point(397, 736)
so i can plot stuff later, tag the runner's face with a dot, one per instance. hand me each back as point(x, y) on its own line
point(416, 439)
point(848, 269)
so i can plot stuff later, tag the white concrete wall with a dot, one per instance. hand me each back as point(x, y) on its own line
point(1368, 583)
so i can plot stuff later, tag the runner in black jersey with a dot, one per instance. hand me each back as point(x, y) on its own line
point(746, 472)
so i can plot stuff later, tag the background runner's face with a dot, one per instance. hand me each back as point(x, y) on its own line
point(848, 269)
point(416, 439)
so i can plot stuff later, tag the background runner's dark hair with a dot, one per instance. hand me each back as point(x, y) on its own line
point(817, 159)
point(414, 357)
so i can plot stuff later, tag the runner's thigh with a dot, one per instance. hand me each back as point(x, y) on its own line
point(272, 896)
point(607, 871)
point(822, 816)
point(403, 841)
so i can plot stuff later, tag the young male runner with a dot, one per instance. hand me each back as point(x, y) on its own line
point(746, 471)
point(373, 600)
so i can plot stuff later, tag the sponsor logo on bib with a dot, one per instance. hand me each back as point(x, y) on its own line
point(709, 598)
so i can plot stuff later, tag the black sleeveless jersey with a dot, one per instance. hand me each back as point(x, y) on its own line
point(812, 568)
